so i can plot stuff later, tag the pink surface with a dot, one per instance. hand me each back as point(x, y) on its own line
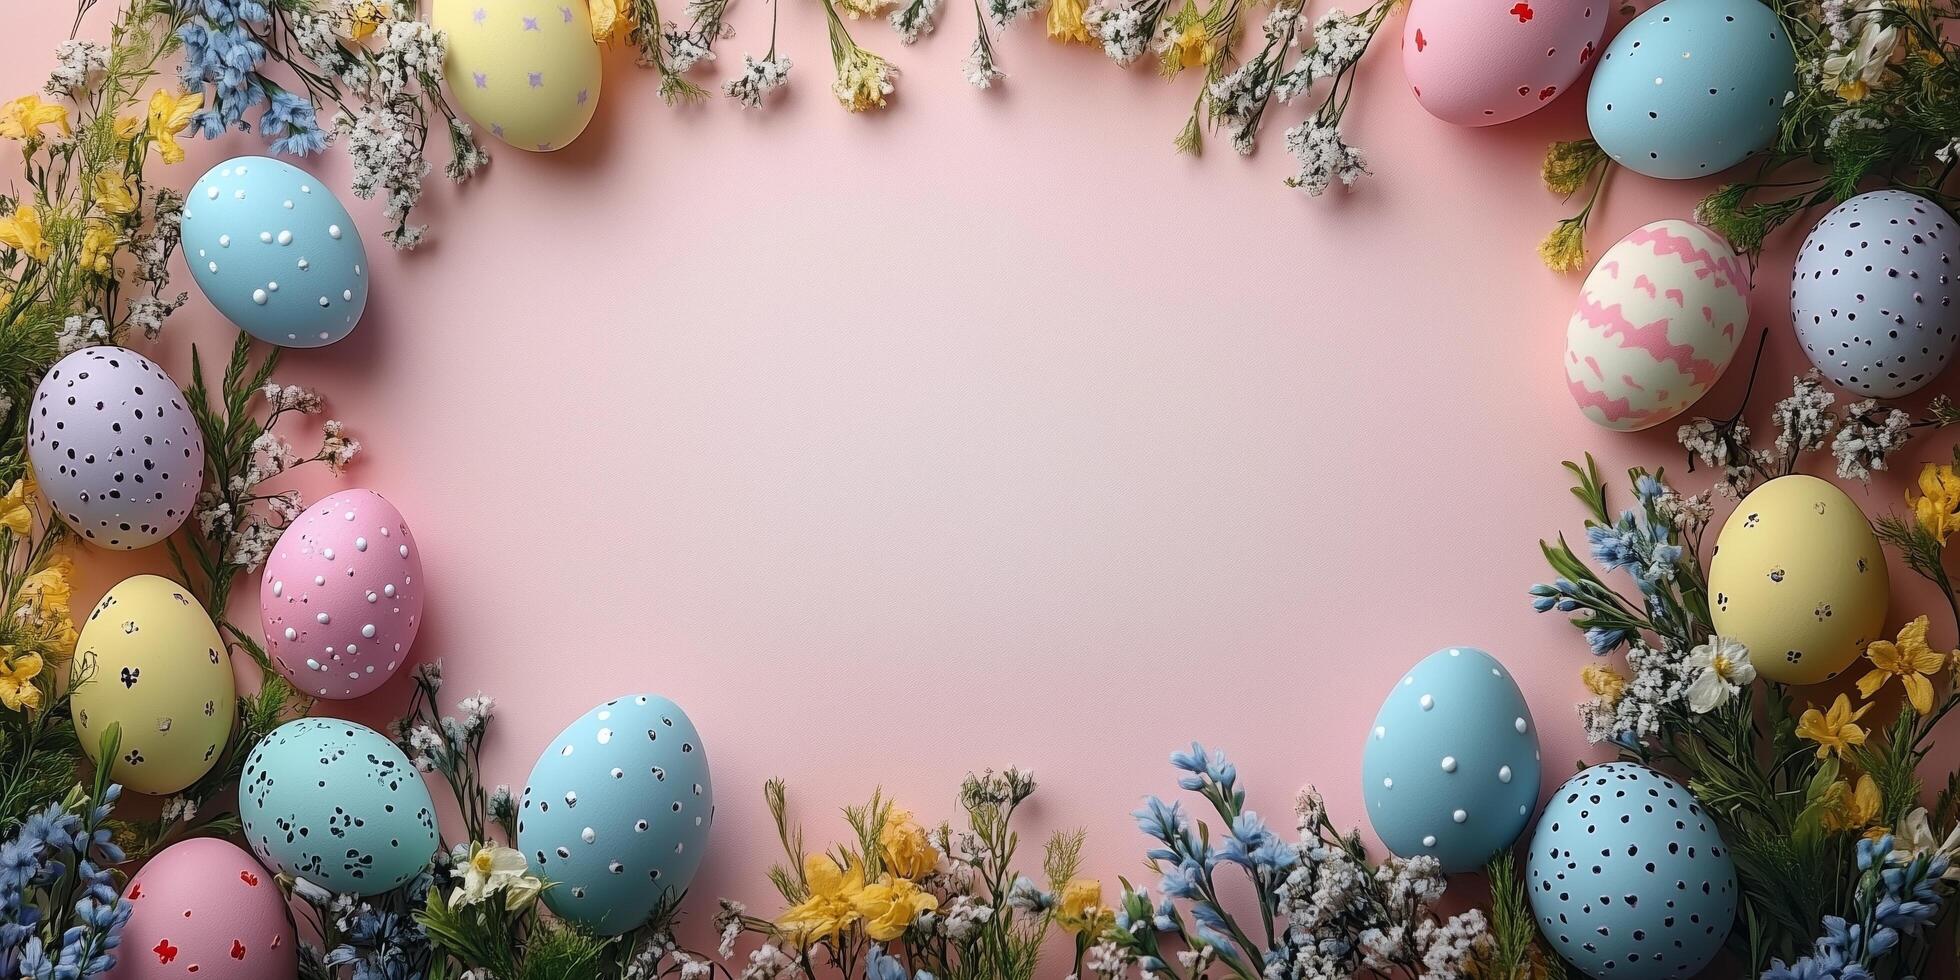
point(983, 431)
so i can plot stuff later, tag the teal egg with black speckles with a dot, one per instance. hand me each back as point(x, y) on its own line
point(1451, 766)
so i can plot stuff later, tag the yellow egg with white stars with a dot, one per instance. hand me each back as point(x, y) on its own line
point(1798, 578)
point(526, 71)
point(149, 659)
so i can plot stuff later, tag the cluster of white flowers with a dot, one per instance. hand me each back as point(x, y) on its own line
point(1660, 681)
point(1339, 38)
point(961, 916)
point(757, 79)
point(915, 20)
point(336, 449)
point(79, 66)
point(1804, 420)
point(178, 808)
point(387, 156)
point(291, 398)
point(1123, 27)
point(1724, 447)
point(1687, 514)
point(1869, 437)
point(79, 331)
point(1005, 12)
point(252, 543)
point(1323, 158)
point(979, 66)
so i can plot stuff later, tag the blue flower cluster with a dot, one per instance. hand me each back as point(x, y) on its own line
point(1898, 897)
point(222, 55)
point(381, 943)
point(60, 915)
point(1641, 542)
point(880, 966)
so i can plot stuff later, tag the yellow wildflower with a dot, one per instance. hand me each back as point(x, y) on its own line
point(1846, 808)
point(17, 687)
point(170, 115)
point(832, 903)
point(1938, 511)
point(1568, 163)
point(113, 194)
point(366, 16)
point(1565, 248)
point(98, 249)
point(1833, 731)
point(1605, 683)
point(128, 126)
point(1189, 43)
point(52, 586)
point(21, 231)
point(23, 118)
point(908, 854)
point(17, 507)
point(889, 906)
point(610, 19)
point(1080, 908)
point(1065, 21)
point(1909, 659)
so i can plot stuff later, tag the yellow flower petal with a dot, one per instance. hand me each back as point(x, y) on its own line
point(169, 116)
point(113, 194)
point(21, 231)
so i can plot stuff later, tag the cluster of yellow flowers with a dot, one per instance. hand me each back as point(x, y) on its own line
point(841, 898)
point(40, 628)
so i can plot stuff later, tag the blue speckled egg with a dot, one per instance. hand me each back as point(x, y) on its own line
point(1691, 87)
point(617, 812)
point(1451, 766)
point(274, 251)
point(1873, 294)
point(338, 804)
point(1628, 877)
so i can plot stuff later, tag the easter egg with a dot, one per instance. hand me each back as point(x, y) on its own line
point(149, 660)
point(1658, 321)
point(1483, 62)
point(617, 811)
point(1799, 579)
point(1691, 87)
point(338, 804)
point(1629, 877)
point(115, 448)
point(341, 596)
point(1874, 294)
point(1450, 768)
point(203, 908)
point(526, 70)
point(275, 252)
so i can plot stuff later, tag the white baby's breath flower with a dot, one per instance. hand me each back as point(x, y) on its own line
point(979, 67)
point(757, 79)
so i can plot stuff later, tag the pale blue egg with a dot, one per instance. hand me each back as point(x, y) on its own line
point(1875, 295)
point(617, 812)
point(1451, 765)
point(274, 251)
point(1691, 87)
point(1629, 877)
point(338, 804)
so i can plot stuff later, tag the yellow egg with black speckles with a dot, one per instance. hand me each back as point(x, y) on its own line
point(526, 71)
point(149, 660)
point(1798, 578)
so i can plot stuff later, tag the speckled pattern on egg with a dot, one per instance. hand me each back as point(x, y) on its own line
point(1450, 767)
point(275, 252)
point(1657, 323)
point(1691, 87)
point(1628, 877)
point(341, 597)
point(115, 448)
point(338, 804)
point(1873, 294)
point(1484, 62)
point(149, 660)
point(527, 71)
point(617, 812)
point(203, 909)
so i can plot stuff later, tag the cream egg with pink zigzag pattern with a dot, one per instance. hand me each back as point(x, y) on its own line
point(1658, 321)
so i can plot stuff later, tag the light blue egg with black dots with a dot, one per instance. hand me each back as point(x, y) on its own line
point(275, 252)
point(1451, 766)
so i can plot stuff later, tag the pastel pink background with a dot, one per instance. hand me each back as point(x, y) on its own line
point(982, 431)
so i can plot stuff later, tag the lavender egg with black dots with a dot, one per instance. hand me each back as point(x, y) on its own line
point(1874, 294)
point(275, 252)
point(115, 448)
point(1629, 877)
point(617, 812)
point(338, 804)
point(1450, 767)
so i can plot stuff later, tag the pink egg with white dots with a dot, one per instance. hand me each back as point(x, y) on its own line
point(1484, 62)
point(342, 595)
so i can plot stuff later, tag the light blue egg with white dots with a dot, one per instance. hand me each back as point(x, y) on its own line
point(338, 804)
point(275, 252)
point(1451, 765)
point(617, 812)
point(1629, 877)
point(1692, 87)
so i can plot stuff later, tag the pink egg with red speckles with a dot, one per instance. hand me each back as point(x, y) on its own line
point(1484, 62)
point(206, 910)
point(342, 595)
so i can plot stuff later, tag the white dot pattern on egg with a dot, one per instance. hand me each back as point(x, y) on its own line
point(115, 447)
point(340, 617)
point(1873, 294)
point(1450, 767)
point(269, 225)
point(1628, 877)
point(1657, 323)
point(617, 812)
point(338, 804)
